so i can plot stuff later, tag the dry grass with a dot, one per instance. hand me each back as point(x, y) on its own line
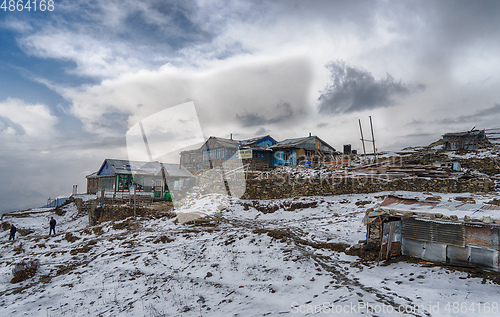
point(5, 226)
point(70, 238)
point(24, 270)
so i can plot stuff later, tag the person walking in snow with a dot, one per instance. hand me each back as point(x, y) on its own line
point(13, 230)
point(52, 225)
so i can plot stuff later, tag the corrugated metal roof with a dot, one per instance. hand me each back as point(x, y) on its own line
point(91, 175)
point(133, 167)
point(490, 207)
point(173, 170)
point(457, 205)
point(401, 201)
point(238, 143)
point(252, 141)
point(474, 133)
point(290, 142)
point(145, 168)
point(226, 142)
point(448, 208)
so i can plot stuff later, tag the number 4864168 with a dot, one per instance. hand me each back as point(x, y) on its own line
point(27, 5)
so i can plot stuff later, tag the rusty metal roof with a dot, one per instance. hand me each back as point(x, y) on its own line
point(391, 200)
point(446, 208)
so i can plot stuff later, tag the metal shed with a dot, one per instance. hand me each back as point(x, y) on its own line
point(447, 232)
point(468, 140)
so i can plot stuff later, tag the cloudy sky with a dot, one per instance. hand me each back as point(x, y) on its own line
point(73, 81)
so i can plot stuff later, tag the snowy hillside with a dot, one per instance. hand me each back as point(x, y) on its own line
point(254, 258)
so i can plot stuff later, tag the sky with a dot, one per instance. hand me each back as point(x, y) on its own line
point(74, 80)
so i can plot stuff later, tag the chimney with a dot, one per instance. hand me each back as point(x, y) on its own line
point(231, 136)
point(309, 133)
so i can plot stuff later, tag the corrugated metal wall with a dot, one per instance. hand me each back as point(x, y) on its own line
point(435, 232)
point(451, 243)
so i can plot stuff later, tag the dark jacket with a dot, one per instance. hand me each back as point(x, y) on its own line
point(52, 223)
point(13, 229)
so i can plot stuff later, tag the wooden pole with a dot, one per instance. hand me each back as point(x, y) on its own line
point(373, 139)
point(135, 214)
point(362, 139)
point(389, 240)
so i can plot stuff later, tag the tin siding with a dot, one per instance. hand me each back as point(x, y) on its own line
point(484, 258)
point(457, 255)
point(428, 251)
point(434, 232)
point(483, 237)
point(431, 241)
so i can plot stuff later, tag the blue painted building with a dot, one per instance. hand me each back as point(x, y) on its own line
point(258, 152)
point(307, 151)
point(116, 178)
point(217, 151)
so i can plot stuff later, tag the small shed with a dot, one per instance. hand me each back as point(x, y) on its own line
point(450, 232)
point(469, 140)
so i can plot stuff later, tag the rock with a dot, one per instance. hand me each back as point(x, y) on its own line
point(187, 217)
point(467, 218)
point(454, 217)
point(487, 220)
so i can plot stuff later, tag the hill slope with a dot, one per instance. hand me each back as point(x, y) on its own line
point(255, 258)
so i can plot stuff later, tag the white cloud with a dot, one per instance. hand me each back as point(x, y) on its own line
point(32, 121)
point(16, 25)
point(221, 94)
point(93, 56)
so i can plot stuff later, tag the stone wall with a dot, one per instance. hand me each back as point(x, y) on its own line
point(98, 214)
point(285, 188)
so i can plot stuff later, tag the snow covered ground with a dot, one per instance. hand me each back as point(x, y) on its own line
point(247, 262)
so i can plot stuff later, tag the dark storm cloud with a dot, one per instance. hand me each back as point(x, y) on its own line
point(115, 34)
point(495, 110)
point(419, 135)
point(262, 131)
point(253, 119)
point(474, 117)
point(178, 30)
point(117, 121)
point(354, 89)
